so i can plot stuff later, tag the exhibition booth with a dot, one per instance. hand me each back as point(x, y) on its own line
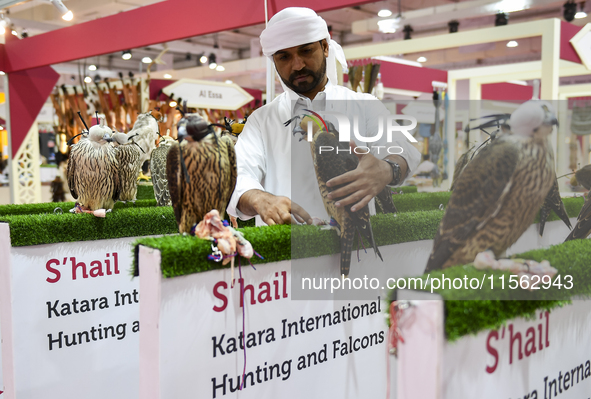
point(124, 306)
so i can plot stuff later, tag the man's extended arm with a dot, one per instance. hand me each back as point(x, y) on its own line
point(272, 209)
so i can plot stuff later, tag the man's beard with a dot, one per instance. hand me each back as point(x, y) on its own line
point(305, 87)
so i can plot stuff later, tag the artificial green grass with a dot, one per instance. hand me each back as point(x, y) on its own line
point(185, 254)
point(48, 227)
point(145, 191)
point(37, 229)
point(310, 241)
point(405, 189)
point(51, 207)
point(438, 200)
point(421, 201)
point(469, 311)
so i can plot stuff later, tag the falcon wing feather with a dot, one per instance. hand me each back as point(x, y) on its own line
point(173, 174)
point(478, 195)
point(70, 173)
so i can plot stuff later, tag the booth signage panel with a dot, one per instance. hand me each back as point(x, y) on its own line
point(582, 44)
point(547, 357)
point(75, 320)
point(205, 94)
point(294, 348)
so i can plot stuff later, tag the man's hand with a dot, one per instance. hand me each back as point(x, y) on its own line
point(365, 182)
point(271, 208)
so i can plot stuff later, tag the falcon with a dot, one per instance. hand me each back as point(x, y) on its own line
point(93, 175)
point(330, 164)
point(144, 133)
point(583, 226)
point(129, 158)
point(498, 194)
point(158, 169)
point(201, 173)
point(553, 202)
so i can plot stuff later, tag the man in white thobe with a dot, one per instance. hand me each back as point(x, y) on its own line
point(273, 163)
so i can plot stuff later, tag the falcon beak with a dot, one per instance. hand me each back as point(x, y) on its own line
point(107, 137)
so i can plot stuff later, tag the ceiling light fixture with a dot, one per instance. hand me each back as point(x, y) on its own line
point(126, 55)
point(512, 43)
point(407, 32)
point(172, 104)
point(453, 26)
point(422, 59)
point(581, 14)
point(384, 13)
point(388, 25)
point(2, 73)
point(92, 67)
point(203, 59)
point(513, 5)
point(88, 79)
point(212, 61)
point(501, 19)
point(66, 14)
point(167, 76)
point(4, 23)
point(229, 82)
point(220, 68)
point(569, 10)
point(147, 60)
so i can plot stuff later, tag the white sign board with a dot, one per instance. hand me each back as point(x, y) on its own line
point(70, 320)
point(206, 94)
point(582, 44)
point(192, 329)
point(547, 357)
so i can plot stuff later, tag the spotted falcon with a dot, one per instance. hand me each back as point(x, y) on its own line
point(93, 170)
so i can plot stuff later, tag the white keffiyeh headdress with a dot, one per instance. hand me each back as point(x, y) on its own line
point(295, 26)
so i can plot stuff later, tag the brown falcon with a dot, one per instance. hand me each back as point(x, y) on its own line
point(330, 164)
point(129, 158)
point(553, 202)
point(201, 173)
point(93, 170)
point(498, 194)
point(145, 132)
point(158, 169)
point(583, 227)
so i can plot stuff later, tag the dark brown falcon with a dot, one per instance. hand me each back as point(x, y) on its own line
point(330, 164)
point(553, 202)
point(583, 227)
point(498, 194)
point(201, 173)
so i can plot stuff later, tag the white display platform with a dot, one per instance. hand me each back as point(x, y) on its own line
point(546, 357)
point(185, 318)
point(191, 328)
point(70, 320)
